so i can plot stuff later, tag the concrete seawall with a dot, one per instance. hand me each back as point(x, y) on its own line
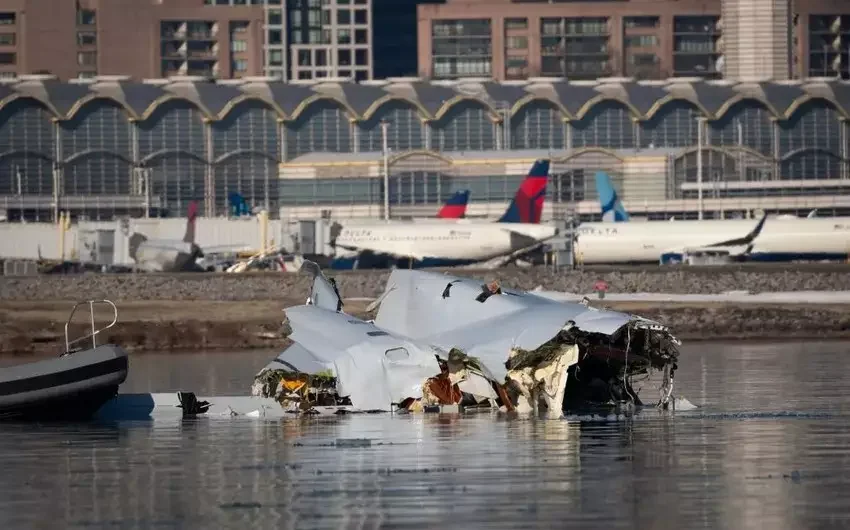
point(275, 286)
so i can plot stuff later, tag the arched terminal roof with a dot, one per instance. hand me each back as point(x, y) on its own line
point(432, 100)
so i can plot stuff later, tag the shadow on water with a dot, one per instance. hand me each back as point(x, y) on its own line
point(767, 448)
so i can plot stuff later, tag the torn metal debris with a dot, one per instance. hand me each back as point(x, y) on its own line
point(439, 341)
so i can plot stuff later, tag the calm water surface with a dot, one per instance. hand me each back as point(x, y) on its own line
point(769, 447)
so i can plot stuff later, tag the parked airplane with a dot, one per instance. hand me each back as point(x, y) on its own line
point(781, 239)
point(463, 242)
point(168, 255)
point(455, 207)
point(612, 208)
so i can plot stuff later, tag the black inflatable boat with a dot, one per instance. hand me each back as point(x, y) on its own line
point(72, 386)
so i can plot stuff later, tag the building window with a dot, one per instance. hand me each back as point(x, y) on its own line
point(275, 37)
point(7, 39)
point(516, 68)
point(829, 48)
point(8, 75)
point(238, 45)
point(361, 57)
point(516, 23)
point(240, 65)
point(86, 17)
point(321, 58)
point(361, 36)
point(7, 19)
point(462, 48)
point(343, 57)
point(641, 22)
point(87, 58)
point(304, 58)
point(641, 41)
point(695, 51)
point(275, 17)
point(8, 58)
point(275, 57)
point(517, 43)
point(361, 16)
point(343, 36)
point(86, 75)
point(575, 47)
point(86, 38)
point(343, 16)
point(239, 26)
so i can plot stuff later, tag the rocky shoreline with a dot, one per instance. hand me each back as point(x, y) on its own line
point(235, 326)
point(275, 286)
point(196, 312)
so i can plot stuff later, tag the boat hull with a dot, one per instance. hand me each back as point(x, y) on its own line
point(68, 388)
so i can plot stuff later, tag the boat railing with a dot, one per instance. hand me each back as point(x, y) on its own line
point(94, 331)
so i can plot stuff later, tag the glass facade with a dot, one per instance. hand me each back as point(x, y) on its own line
point(98, 150)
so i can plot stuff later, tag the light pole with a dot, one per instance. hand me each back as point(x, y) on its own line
point(700, 124)
point(386, 156)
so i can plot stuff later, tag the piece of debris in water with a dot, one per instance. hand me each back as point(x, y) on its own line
point(298, 392)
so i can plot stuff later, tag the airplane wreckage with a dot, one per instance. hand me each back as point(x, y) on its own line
point(446, 343)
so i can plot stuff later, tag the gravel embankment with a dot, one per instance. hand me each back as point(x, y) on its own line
point(263, 286)
point(236, 312)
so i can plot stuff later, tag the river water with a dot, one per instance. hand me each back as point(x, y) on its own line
point(769, 447)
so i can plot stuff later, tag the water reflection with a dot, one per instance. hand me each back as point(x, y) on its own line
point(721, 467)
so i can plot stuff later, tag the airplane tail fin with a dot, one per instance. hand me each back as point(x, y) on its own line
point(238, 204)
point(612, 208)
point(135, 241)
point(192, 214)
point(455, 207)
point(324, 292)
point(527, 204)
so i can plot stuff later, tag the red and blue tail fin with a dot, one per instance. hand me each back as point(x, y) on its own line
point(527, 205)
point(455, 207)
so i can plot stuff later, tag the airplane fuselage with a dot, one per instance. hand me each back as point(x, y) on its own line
point(441, 243)
point(781, 239)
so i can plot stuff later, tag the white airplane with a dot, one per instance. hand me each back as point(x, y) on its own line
point(168, 255)
point(780, 239)
point(448, 243)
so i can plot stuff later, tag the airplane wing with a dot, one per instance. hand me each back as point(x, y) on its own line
point(737, 247)
point(396, 249)
point(226, 249)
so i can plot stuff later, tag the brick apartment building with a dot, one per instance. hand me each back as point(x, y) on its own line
point(748, 40)
point(290, 39)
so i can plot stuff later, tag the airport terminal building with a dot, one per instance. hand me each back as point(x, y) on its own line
point(109, 146)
